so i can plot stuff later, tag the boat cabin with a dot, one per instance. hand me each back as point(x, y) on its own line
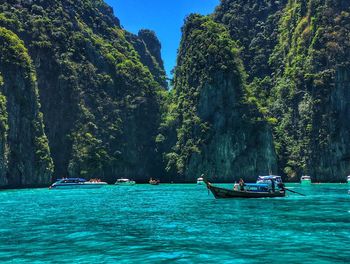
point(71, 180)
point(257, 187)
point(267, 179)
point(305, 178)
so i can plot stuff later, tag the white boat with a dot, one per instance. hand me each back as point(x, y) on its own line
point(77, 183)
point(305, 179)
point(154, 181)
point(348, 179)
point(200, 181)
point(126, 182)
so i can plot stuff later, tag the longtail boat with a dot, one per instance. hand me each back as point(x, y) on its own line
point(252, 191)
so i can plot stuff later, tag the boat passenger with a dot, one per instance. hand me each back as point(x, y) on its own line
point(281, 186)
point(241, 184)
point(273, 185)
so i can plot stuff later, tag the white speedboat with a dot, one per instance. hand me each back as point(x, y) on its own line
point(126, 182)
point(200, 181)
point(305, 179)
point(77, 183)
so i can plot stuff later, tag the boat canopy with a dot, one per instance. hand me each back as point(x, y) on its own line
point(123, 180)
point(72, 179)
point(305, 177)
point(269, 178)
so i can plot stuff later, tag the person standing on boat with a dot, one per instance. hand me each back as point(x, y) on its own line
point(241, 184)
point(281, 186)
point(273, 185)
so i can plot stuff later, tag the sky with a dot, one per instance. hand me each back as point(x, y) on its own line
point(165, 17)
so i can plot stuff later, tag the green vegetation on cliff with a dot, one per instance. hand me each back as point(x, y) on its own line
point(99, 95)
point(259, 86)
point(25, 156)
point(216, 129)
point(253, 24)
point(309, 96)
point(296, 53)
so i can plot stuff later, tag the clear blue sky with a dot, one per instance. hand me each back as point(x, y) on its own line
point(165, 17)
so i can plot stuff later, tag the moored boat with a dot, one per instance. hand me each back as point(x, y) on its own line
point(251, 191)
point(305, 179)
point(348, 179)
point(77, 183)
point(125, 182)
point(200, 181)
point(154, 181)
point(262, 189)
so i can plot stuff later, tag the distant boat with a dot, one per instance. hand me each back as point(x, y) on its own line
point(305, 179)
point(77, 183)
point(200, 181)
point(251, 190)
point(348, 179)
point(154, 181)
point(126, 182)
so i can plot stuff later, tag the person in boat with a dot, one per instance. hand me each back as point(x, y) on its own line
point(281, 186)
point(273, 185)
point(241, 184)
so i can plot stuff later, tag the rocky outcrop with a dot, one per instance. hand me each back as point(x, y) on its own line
point(310, 98)
point(100, 101)
point(24, 152)
point(330, 161)
point(148, 47)
point(254, 24)
point(218, 132)
point(296, 55)
point(153, 45)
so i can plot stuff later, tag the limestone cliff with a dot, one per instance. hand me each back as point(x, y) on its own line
point(296, 55)
point(310, 98)
point(24, 152)
point(218, 132)
point(99, 99)
point(148, 46)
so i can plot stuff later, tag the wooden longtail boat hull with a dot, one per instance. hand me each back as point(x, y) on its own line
point(220, 193)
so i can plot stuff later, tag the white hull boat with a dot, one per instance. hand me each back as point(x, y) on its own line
point(77, 183)
point(125, 182)
point(305, 180)
point(200, 181)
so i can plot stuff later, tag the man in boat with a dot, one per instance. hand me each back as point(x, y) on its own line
point(281, 186)
point(273, 185)
point(241, 184)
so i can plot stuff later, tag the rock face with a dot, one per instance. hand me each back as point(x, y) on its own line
point(99, 98)
point(148, 46)
point(218, 132)
point(260, 86)
point(254, 24)
point(24, 152)
point(309, 96)
point(297, 55)
point(331, 156)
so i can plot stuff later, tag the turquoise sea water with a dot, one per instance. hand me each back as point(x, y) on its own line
point(173, 224)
